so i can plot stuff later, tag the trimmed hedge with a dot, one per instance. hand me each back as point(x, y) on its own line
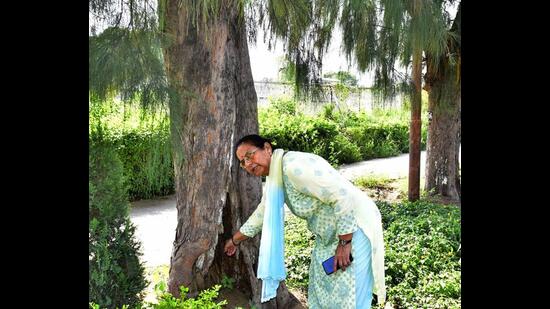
point(339, 137)
point(147, 160)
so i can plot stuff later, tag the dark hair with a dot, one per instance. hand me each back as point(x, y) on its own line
point(253, 139)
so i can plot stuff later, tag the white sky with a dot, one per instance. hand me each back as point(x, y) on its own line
point(266, 64)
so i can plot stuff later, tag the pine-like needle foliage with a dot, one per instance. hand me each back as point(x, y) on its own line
point(128, 63)
point(382, 35)
point(379, 34)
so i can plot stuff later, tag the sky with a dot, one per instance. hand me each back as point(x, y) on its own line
point(266, 63)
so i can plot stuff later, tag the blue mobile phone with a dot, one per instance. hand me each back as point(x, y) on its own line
point(328, 264)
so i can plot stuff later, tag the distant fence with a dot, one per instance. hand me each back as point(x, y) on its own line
point(360, 100)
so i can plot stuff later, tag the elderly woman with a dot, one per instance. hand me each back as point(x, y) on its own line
point(345, 221)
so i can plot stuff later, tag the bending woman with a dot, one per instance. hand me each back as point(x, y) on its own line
point(345, 221)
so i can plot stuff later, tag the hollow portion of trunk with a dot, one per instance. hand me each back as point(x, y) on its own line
point(213, 105)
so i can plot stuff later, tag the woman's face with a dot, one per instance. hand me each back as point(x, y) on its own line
point(253, 159)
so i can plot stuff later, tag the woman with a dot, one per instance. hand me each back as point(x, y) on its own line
point(345, 221)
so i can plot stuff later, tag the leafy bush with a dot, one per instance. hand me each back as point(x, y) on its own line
point(205, 299)
point(227, 282)
point(379, 140)
point(303, 133)
point(298, 245)
point(422, 257)
point(422, 254)
point(142, 141)
point(147, 159)
point(116, 275)
point(343, 150)
point(338, 136)
point(284, 105)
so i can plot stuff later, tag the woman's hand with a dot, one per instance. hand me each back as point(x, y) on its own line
point(342, 256)
point(229, 247)
point(232, 243)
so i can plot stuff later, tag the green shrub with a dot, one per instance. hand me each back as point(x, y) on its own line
point(328, 112)
point(339, 137)
point(300, 133)
point(344, 150)
point(422, 254)
point(142, 141)
point(283, 105)
point(378, 140)
point(147, 159)
point(205, 299)
point(227, 282)
point(116, 275)
point(309, 134)
point(298, 245)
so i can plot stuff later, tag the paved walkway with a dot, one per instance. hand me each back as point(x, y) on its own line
point(156, 219)
point(393, 167)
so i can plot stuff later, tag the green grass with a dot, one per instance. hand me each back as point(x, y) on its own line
point(374, 182)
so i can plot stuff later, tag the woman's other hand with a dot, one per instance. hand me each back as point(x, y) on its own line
point(342, 256)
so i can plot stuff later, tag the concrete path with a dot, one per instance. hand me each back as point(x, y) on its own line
point(156, 219)
point(393, 167)
point(155, 222)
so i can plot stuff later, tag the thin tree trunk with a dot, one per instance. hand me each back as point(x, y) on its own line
point(415, 127)
point(214, 104)
point(443, 145)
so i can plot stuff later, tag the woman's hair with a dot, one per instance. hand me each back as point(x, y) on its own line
point(253, 139)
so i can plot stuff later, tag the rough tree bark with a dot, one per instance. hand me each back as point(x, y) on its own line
point(444, 106)
point(213, 106)
point(415, 128)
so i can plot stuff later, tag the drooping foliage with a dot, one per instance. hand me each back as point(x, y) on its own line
point(127, 63)
point(377, 35)
point(381, 36)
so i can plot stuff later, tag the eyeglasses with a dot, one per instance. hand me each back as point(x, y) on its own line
point(247, 157)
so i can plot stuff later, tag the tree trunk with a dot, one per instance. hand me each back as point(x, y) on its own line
point(415, 128)
point(443, 145)
point(444, 106)
point(213, 105)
